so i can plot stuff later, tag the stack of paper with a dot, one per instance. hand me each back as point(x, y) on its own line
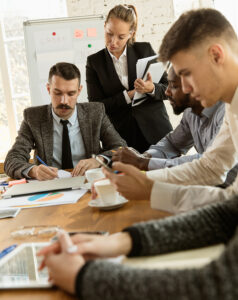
point(44, 199)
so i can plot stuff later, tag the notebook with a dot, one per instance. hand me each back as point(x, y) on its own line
point(36, 187)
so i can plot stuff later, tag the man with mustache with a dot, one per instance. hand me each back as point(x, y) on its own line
point(197, 128)
point(62, 129)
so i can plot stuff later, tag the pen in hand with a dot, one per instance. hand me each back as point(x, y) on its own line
point(41, 161)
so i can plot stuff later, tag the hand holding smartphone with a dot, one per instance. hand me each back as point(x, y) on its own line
point(102, 163)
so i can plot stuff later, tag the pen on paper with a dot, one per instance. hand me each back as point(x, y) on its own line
point(43, 163)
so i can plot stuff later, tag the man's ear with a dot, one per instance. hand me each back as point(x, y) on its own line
point(48, 87)
point(217, 53)
point(80, 88)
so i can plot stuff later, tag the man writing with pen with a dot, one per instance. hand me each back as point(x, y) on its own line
point(64, 134)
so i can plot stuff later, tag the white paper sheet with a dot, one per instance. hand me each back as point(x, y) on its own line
point(46, 60)
point(53, 40)
point(44, 199)
point(64, 174)
point(141, 65)
point(9, 212)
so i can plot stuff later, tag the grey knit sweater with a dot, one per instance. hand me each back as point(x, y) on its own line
point(207, 226)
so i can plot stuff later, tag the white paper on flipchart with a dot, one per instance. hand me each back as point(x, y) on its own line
point(46, 60)
point(45, 41)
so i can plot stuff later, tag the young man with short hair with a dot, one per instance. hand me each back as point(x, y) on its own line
point(203, 48)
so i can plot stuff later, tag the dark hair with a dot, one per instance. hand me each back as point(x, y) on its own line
point(126, 13)
point(192, 28)
point(65, 70)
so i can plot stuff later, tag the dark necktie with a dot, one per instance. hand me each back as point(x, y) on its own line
point(66, 150)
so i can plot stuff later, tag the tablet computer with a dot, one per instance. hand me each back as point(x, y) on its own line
point(19, 268)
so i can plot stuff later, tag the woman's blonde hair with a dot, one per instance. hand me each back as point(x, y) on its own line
point(126, 13)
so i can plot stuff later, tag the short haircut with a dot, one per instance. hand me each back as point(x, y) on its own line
point(192, 28)
point(65, 70)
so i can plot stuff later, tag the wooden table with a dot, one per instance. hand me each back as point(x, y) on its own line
point(71, 217)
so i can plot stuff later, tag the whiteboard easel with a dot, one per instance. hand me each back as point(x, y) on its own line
point(60, 40)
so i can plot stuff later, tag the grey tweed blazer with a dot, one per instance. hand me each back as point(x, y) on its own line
point(36, 132)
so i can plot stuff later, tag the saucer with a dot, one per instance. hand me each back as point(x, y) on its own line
point(98, 203)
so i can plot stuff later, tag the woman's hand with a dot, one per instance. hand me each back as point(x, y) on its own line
point(131, 93)
point(144, 87)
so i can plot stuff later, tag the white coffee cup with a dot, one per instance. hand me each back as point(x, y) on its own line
point(106, 192)
point(94, 174)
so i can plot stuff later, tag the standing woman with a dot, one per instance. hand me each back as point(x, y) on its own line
point(111, 79)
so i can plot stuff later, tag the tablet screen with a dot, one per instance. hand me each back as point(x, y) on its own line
point(19, 269)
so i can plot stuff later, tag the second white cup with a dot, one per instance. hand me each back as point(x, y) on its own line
point(94, 174)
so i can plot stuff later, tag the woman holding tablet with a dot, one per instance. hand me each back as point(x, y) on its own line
point(111, 79)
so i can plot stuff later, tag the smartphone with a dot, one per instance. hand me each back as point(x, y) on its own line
point(55, 238)
point(102, 163)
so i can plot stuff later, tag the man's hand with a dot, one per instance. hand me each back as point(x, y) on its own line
point(133, 184)
point(144, 87)
point(129, 156)
point(43, 172)
point(63, 267)
point(84, 165)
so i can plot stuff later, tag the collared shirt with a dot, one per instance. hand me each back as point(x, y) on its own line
point(76, 142)
point(75, 137)
point(191, 185)
point(121, 68)
point(193, 130)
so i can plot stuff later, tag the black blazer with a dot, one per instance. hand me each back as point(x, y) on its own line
point(103, 85)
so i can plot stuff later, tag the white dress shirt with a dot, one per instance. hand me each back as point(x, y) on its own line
point(191, 185)
point(76, 142)
point(121, 68)
point(75, 137)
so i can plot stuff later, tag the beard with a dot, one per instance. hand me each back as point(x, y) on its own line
point(179, 109)
point(184, 103)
